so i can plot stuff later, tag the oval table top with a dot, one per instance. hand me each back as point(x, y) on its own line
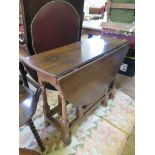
point(59, 61)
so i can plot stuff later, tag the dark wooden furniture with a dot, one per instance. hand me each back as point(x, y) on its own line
point(56, 24)
point(50, 24)
point(27, 152)
point(27, 107)
point(82, 72)
point(30, 8)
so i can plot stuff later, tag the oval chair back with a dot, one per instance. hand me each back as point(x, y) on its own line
point(56, 24)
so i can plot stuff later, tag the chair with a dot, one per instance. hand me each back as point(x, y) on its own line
point(56, 24)
point(30, 8)
point(49, 25)
point(27, 152)
point(27, 107)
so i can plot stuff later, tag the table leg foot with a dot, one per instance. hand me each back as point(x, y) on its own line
point(36, 135)
point(67, 140)
point(113, 90)
point(105, 101)
point(112, 94)
point(66, 136)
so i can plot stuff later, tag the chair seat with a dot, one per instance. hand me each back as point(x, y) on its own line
point(26, 106)
point(27, 152)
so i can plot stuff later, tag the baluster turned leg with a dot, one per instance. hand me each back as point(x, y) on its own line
point(65, 123)
point(36, 135)
point(46, 107)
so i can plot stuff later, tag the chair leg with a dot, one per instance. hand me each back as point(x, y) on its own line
point(36, 135)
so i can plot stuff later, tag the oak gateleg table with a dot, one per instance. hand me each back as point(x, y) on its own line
point(84, 75)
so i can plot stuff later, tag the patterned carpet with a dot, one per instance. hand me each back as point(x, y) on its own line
point(103, 132)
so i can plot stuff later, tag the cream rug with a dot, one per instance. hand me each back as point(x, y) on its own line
point(104, 132)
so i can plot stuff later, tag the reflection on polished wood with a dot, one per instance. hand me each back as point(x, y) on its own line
point(83, 73)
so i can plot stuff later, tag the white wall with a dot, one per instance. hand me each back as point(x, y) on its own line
point(93, 3)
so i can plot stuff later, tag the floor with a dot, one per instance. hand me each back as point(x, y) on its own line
point(129, 148)
point(126, 84)
point(105, 131)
